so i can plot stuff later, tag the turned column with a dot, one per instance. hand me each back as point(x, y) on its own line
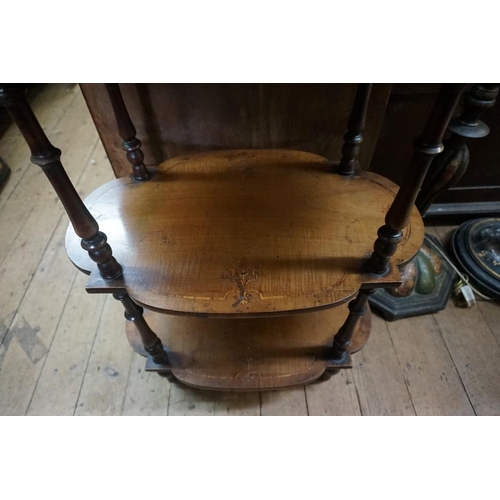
point(127, 132)
point(150, 340)
point(343, 338)
point(449, 166)
point(355, 126)
point(46, 156)
point(425, 149)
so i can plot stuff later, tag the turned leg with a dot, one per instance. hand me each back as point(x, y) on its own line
point(46, 156)
point(127, 132)
point(150, 340)
point(354, 137)
point(342, 340)
point(426, 148)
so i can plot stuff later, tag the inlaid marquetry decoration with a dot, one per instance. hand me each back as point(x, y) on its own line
point(242, 276)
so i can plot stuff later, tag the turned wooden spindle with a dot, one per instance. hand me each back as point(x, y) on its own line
point(449, 166)
point(127, 132)
point(46, 156)
point(343, 338)
point(150, 340)
point(355, 126)
point(425, 149)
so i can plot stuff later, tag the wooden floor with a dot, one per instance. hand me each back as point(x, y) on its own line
point(64, 352)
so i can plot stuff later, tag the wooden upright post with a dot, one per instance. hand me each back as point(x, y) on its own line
point(127, 132)
point(46, 156)
point(354, 137)
point(426, 148)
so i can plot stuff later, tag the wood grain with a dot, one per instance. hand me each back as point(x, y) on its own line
point(30, 336)
point(473, 346)
point(476, 355)
point(106, 377)
point(59, 384)
point(245, 233)
point(290, 402)
point(336, 396)
point(377, 375)
point(179, 119)
point(146, 394)
point(249, 354)
point(432, 379)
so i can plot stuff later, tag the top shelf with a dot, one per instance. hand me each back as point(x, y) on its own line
point(244, 233)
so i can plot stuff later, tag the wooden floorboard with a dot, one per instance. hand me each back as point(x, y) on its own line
point(430, 375)
point(64, 352)
point(474, 347)
point(336, 396)
point(377, 375)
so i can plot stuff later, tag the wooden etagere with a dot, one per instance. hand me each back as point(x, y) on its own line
point(254, 266)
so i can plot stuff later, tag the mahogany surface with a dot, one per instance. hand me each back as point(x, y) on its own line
point(244, 232)
point(178, 119)
point(250, 354)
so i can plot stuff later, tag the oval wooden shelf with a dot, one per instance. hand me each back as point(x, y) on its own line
point(244, 233)
point(250, 354)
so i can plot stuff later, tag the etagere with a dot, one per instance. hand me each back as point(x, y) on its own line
point(243, 269)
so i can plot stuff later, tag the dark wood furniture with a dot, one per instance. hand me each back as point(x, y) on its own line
point(473, 193)
point(227, 249)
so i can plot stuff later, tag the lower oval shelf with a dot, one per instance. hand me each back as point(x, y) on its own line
point(250, 354)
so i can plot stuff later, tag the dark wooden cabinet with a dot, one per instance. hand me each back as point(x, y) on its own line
point(407, 109)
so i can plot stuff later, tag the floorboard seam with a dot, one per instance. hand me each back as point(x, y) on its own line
point(401, 368)
point(454, 365)
point(90, 355)
point(307, 403)
point(75, 274)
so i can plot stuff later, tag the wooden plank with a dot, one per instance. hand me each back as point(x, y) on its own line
point(284, 403)
point(28, 341)
point(429, 372)
point(147, 393)
point(106, 377)
point(474, 348)
point(337, 396)
point(237, 404)
point(490, 310)
point(378, 377)
point(476, 354)
point(60, 381)
point(187, 401)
